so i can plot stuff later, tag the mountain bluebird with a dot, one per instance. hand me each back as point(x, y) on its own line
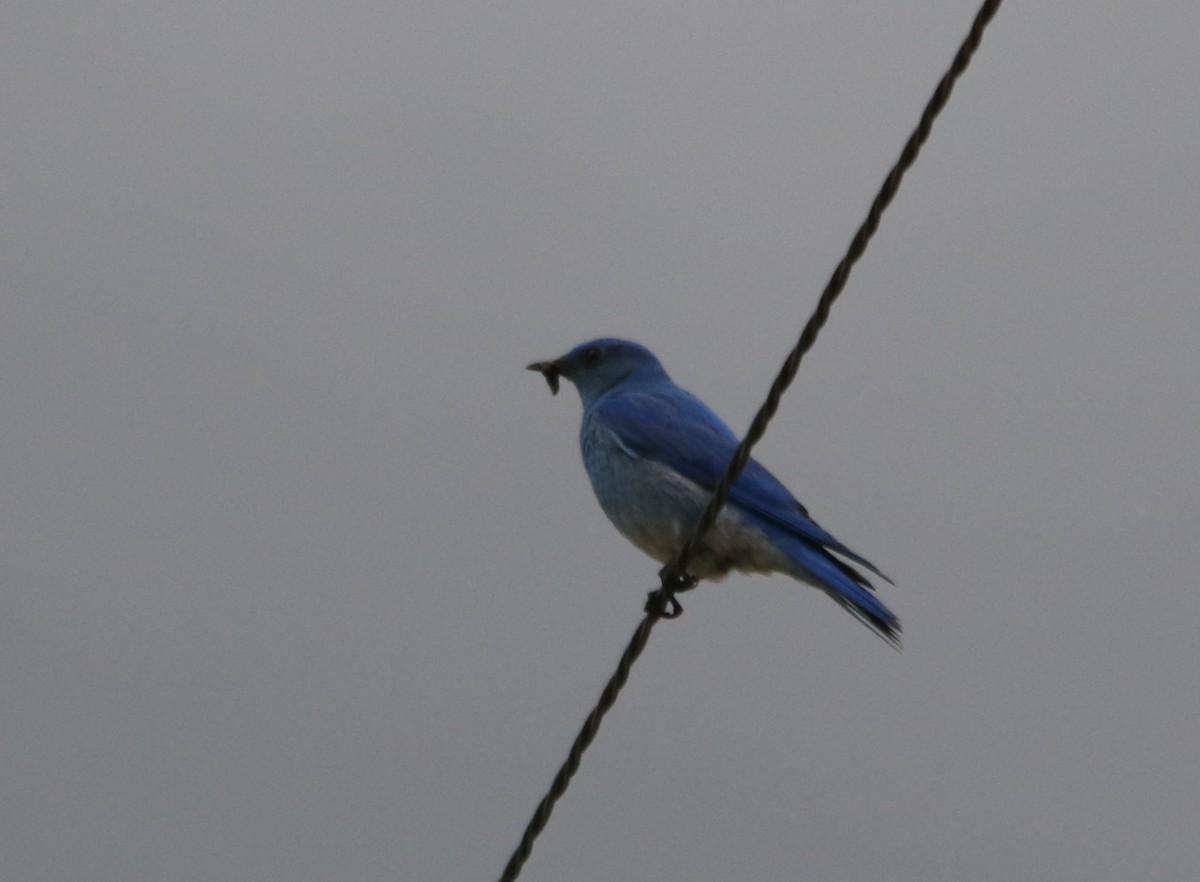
point(654, 453)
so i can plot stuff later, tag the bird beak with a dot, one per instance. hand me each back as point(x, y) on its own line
point(551, 370)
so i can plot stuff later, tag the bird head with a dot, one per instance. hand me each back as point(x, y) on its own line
point(598, 365)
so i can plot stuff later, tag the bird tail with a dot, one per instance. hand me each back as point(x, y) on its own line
point(817, 566)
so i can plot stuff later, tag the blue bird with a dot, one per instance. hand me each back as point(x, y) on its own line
point(654, 452)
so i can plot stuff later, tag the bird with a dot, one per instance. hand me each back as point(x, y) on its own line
point(654, 452)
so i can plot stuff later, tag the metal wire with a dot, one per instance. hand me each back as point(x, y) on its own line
point(607, 699)
point(837, 282)
point(674, 575)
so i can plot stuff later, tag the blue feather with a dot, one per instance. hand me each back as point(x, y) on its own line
point(654, 453)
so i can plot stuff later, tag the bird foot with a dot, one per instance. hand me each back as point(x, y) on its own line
point(662, 602)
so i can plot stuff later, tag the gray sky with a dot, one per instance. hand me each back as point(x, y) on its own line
point(301, 575)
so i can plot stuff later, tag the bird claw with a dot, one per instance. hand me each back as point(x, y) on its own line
point(662, 602)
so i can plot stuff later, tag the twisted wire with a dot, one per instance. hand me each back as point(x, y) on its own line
point(675, 571)
point(559, 786)
point(674, 575)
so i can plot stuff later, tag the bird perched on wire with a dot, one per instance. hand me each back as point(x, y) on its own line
point(654, 452)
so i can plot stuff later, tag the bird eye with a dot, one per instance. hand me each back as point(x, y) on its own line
point(591, 355)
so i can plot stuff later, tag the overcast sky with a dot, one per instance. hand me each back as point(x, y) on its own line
point(301, 578)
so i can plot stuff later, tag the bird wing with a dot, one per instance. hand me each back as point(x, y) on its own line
point(674, 427)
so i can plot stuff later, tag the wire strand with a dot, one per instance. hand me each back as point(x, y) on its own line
point(674, 575)
point(833, 289)
point(607, 699)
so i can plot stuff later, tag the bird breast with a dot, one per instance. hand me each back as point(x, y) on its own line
point(656, 508)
